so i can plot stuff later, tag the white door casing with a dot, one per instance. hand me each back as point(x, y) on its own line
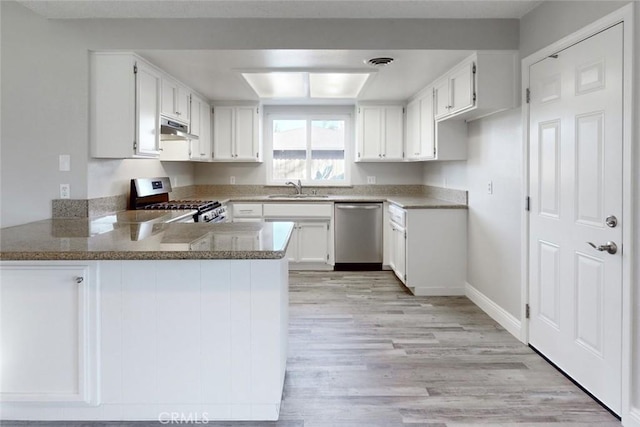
point(576, 181)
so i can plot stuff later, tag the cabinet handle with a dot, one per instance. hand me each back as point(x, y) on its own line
point(379, 155)
point(416, 154)
point(79, 279)
point(384, 155)
point(178, 113)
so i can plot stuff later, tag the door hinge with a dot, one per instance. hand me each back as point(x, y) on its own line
point(405, 278)
point(212, 110)
point(527, 204)
point(327, 257)
point(135, 68)
point(327, 227)
point(403, 154)
point(135, 145)
point(402, 110)
point(474, 97)
point(527, 311)
point(358, 110)
point(258, 110)
point(257, 155)
point(434, 151)
point(474, 68)
point(405, 235)
point(528, 95)
point(358, 154)
point(212, 154)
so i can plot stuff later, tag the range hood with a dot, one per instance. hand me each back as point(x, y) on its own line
point(174, 131)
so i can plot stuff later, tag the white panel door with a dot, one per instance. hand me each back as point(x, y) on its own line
point(575, 184)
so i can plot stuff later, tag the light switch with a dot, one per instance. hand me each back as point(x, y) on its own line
point(371, 180)
point(232, 180)
point(64, 162)
point(490, 187)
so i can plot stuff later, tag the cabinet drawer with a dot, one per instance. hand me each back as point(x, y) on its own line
point(298, 210)
point(247, 210)
point(397, 215)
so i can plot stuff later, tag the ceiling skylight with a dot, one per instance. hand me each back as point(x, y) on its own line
point(297, 84)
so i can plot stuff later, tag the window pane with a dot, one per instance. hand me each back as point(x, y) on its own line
point(327, 155)
point(289, 149)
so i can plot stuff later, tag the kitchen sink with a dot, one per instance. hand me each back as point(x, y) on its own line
point(297, 196)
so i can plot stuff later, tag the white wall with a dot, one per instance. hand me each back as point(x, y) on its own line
point(554, 20)
point(113, 177)
point(452, 174)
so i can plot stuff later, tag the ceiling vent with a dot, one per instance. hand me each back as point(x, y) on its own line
point(379, 62)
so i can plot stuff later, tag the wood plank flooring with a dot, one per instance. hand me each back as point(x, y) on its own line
point(365, 352)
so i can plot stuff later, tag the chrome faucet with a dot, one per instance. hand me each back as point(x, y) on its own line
point(297, 186)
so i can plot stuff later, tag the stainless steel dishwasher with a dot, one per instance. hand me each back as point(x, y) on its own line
point(358, 236)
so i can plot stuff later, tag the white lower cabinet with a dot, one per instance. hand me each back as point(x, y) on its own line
point(49, 333)
point(427, 249)
point(309, 243)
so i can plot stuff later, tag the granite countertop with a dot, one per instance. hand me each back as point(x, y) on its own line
point(406, 202)
point(143, 235)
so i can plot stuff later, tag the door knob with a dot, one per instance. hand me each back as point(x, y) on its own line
point(610, 247)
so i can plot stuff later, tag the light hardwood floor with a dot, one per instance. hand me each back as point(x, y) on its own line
point(364, 352)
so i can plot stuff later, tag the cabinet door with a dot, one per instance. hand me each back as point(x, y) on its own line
point(292, 249)
point(392, 247)
point(313, 238)
point(413, 130)
point(205, 131)
point(169, 105)
point(370, 127)
point(48, 333)
point(393, 133)
point(441, 98)
point(246, 133)
point(223, 133)
point(461, 84)
point(195, 122)
point(427, 128)
point(400, 253)
point(147, 109)
point(183, 104)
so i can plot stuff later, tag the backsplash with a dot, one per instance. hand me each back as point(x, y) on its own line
point(81, 208)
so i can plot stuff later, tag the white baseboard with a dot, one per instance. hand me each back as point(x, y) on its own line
point(632, 419)
point(497, 313)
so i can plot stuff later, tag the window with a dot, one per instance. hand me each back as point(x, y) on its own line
point(310, 148)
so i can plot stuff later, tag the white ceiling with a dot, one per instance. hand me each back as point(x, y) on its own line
point(421, 9)
point(216, 73)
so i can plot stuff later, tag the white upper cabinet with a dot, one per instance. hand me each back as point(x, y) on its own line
point(482, 84)
point(124, 106)
point(380, 130)
point(236, 133)
point(201, 126)
point(176, 100)
point(420, 142)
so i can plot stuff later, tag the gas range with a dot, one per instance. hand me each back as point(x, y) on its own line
point(153, 194)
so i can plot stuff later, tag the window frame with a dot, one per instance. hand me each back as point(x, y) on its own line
point(309, 115)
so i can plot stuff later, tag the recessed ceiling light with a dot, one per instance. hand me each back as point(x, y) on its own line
point(336, 85)
point(279, 84)
point(380, 61)
point(306, 84)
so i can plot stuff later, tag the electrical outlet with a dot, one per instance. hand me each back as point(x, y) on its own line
point(232, 180)
point(65, 191)
point(64, 163)
point(371, 180)
point(490, 187)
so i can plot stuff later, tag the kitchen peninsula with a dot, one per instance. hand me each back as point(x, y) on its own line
point(129, 317)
